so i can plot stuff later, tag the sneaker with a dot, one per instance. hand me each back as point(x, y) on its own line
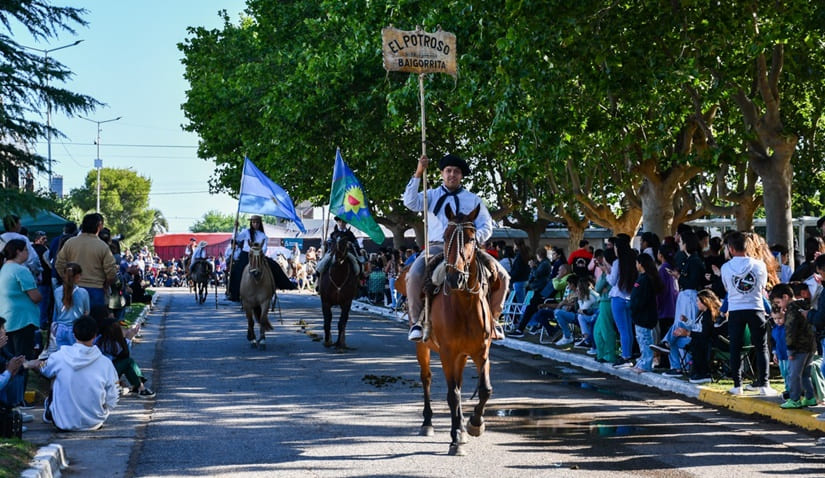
point(791, 404)
point(752, 387)
point(810, 402)
point(637, 369)
point(516, 334)
point(534, 329)
point(146, 393)
point(735, 391)
point(24, 405)
point(592, 351)
point(416, 333)
point(564, 341)
point(622, 363)
point(699, 379)
point(660, 348)
point(674, 372)
point(26, 417)
point(821, 417)
point(767, 391)
point(582, 344)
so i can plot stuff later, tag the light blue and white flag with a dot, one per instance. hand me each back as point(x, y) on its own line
point(260, 195)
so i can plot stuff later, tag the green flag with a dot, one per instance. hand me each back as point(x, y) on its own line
point(348, 201)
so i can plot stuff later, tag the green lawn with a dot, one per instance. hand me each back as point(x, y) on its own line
point(15, 456)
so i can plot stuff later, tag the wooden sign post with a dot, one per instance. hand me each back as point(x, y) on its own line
point(420, 52)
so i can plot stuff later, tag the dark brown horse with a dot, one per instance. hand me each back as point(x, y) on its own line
point(460, 317)
point(338, 286)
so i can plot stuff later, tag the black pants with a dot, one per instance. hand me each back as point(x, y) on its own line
point(755, 320)
point(281, 280)
point(531, 309)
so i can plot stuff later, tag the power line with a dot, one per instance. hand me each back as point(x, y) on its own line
point(121, 145)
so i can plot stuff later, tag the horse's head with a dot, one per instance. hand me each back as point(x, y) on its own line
point(340, 249)
point(256, 258)
point(459, 247)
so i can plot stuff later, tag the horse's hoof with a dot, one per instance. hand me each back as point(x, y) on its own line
point(456, 450)
point(474, 430)
point(426, 431)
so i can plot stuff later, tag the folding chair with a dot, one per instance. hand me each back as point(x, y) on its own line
point(511, 315)
point(720, 359)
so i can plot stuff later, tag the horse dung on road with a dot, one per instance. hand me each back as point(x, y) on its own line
point(257, 292)
point(338, 286)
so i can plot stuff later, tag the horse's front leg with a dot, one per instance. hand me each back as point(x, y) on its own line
point(422, 353)
point(341, 344)
point(456, 417)
point(475, 425)
point(250, 328)
point(327, 311)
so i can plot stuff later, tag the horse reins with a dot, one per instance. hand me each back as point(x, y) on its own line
point(457, 236)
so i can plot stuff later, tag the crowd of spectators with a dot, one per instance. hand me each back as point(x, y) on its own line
point(61, 309)
point(681, 305)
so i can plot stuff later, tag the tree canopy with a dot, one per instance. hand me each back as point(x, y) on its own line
point(603, 111)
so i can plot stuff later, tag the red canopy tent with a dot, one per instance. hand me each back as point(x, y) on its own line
point(172, 246)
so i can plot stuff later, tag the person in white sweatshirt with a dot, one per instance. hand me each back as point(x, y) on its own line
point(85, 388)
point(745, 279)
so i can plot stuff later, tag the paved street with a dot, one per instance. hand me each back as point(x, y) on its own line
point(299, 409)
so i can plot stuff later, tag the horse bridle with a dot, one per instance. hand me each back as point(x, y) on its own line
point(457, 236)
point(339, 262)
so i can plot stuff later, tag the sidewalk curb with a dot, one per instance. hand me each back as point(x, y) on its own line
point(47, 463)
point(51, 459)
point(746, 405)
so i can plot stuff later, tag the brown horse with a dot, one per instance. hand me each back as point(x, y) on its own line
point(460, 317)
point(338, 286)
point(257, 290)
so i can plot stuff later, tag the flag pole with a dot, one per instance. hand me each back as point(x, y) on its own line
point(235, 230)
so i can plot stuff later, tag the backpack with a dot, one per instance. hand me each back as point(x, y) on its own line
point(11, 422)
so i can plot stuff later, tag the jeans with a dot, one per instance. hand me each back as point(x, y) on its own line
point(587, 322)
point(521, 291)
point(45, 305)
point(678, 352)
point(393, 293)
point(564, 318)
point(645, 338)
point(799, 375)
point(96, 296)
point(621, 315)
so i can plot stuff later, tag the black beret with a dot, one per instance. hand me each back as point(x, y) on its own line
point(453, 160)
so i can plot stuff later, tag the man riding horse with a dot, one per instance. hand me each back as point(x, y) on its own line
point(341, 231)
point(198, 255)
point(453, 169)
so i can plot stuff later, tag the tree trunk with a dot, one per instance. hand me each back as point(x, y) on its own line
point(777, 175)
point(657, 207)
point(397, 234)
point(576, 234)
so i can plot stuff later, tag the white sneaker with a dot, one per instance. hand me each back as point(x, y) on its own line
point(416, 333)
point(821, 417)
point(564, 341)
point(592, 351)
point(735, 391)
point(767, 391)
point(26, 417)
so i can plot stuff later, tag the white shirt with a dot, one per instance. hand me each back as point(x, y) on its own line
point(467, 201)
point(243, 238)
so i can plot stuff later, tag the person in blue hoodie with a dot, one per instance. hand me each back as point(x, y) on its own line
point(745, 279)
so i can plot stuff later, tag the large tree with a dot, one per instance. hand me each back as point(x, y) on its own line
point(29, 84)
point(124, 202)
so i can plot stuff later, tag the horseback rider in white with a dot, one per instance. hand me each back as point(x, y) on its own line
point(199, 254)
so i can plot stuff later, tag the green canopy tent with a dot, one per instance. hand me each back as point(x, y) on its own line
point(45, 221)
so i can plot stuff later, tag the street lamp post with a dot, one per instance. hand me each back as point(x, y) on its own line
point(98, 161)
point(45, 53)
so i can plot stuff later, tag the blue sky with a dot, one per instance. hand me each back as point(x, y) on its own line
point(129, 60)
